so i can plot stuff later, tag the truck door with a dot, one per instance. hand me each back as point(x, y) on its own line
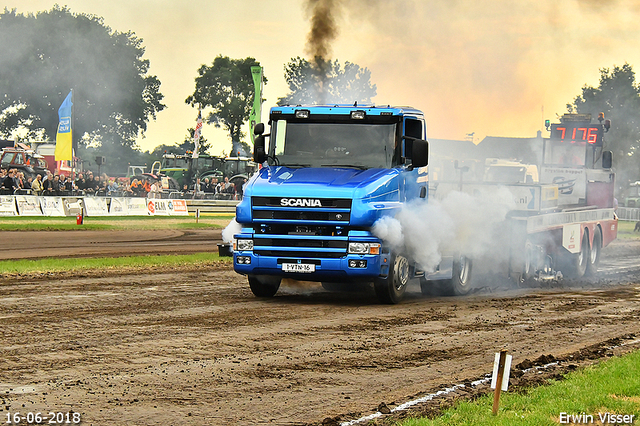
point(409, 186)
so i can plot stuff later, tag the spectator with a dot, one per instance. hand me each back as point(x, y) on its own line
point(20, 179)
point(92, 184)
point(204, 184)
point(69, 186)
point(62, 185)
point(125, 187)
point(103, 186)
point(112, 188)
point(47, 184)
point(185, 190)
point(80, 182)
point(28, 183)
point(154, 190)
point(36, 185)
point(241, 189)
point(227, 187)
point(146, 187)
point(197, 189)
point(55, 185)
point(10, 182)
point(209, 186)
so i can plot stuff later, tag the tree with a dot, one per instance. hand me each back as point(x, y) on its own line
point(323, 82)
point(618, 96)
point(44, 56)
point(227, 88)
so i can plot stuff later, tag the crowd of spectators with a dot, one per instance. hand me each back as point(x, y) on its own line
point(212, 188)
point(12, 182)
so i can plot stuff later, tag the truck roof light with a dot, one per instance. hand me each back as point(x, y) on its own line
point(302, 113)
point(358, 115)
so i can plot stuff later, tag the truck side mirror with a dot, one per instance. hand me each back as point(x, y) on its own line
point(259, 155)
point(420, 153)
point(607, 159)
point(258, 129)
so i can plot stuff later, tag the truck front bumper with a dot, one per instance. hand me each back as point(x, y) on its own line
point(351, 267)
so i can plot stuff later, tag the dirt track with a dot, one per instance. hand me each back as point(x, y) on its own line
point(196, 347)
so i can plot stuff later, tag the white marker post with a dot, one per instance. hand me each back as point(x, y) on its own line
point(197, 215)
point(501, 369)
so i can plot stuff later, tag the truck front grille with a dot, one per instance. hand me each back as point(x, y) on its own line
point(302, 210)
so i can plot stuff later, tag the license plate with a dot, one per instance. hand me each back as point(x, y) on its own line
point(299, 267)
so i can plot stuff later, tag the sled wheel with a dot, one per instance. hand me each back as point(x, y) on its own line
point(594, 256)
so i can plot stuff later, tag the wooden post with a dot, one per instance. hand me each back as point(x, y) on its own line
point(496, 395)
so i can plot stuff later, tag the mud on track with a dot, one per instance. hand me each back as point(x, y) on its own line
point(196, 347)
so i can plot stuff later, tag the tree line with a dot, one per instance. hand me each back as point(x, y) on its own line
point(45, 54)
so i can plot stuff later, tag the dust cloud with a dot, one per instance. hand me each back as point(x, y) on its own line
point(459, 223)
point(230, 230)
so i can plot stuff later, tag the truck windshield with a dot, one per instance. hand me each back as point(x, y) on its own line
point(360, 145)
point(560, 153)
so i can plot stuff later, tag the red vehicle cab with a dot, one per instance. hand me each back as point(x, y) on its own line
point(26, 161)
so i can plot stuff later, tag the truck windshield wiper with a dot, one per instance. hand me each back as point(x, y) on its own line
point(295, 165)
point(355, 166)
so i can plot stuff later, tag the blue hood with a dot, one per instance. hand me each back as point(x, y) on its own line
point(325, 182)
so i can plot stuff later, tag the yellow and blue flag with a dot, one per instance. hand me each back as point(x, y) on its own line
point(64, 141)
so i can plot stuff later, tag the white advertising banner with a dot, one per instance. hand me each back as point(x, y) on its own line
point(158, 207)
point(137, 206)
point(8, 205)
point(28, 205)
point(118, 207)
point(52, 206)
point(177, 208)
point(95, 206)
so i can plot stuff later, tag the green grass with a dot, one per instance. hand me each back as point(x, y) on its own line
point(612, 386)
point(16, 223)
point(80, 264)
point(625, 231)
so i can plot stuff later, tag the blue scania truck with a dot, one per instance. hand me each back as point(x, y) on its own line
point(329, 172)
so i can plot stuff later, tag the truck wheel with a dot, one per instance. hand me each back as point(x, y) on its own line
point(460, 283)
point(576, 264)
point(264, 285)
point(594, 256)
point(391, 289)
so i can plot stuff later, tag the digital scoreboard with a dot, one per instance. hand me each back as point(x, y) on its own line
point(577, 132)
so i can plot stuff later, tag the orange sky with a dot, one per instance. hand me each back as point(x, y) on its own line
point(495, 68)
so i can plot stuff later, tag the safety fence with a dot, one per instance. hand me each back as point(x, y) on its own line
point(628, 213)
point(33, 205)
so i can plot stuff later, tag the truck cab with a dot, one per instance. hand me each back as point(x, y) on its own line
point(328, 173)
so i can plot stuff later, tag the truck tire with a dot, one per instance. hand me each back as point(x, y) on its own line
point(594, 255)
point(574, 266)
point(264, 285)
point(460, 283)
point(391, 290)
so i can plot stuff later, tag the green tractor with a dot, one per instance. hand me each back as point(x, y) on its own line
point(185, 169)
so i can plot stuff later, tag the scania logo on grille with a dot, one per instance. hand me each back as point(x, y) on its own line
point(300, 202)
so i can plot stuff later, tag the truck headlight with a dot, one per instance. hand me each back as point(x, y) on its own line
point(364, 248)
point(244, 245)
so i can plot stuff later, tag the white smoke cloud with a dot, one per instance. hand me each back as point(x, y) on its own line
point(459, 223)
point(232, 228)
